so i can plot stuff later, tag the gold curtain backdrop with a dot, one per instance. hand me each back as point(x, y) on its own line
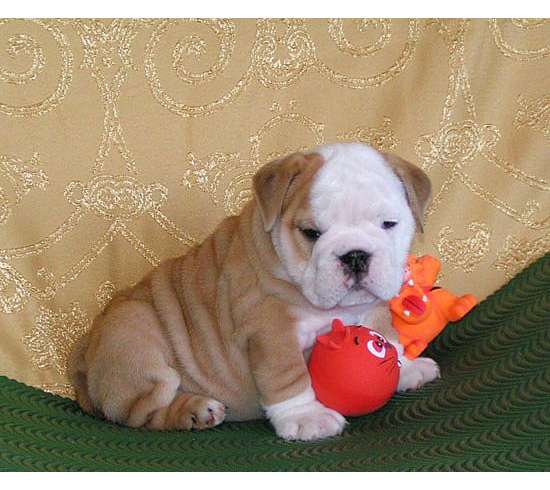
point(123, 142)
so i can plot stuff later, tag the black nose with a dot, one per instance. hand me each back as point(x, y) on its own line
point(356, 261)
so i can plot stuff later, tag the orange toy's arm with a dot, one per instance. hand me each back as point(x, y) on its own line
point(414, 349)
point(462, 307)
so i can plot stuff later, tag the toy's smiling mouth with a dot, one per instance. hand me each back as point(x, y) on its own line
point(415, 305)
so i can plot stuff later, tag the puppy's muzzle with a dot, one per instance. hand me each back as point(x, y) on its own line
point(356, 262)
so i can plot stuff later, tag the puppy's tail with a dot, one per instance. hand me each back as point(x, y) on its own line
point(77, 374)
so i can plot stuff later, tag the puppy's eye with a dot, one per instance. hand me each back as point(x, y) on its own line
point(311, 234)
point(388, 224)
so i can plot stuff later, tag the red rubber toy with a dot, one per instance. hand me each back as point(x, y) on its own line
point(354, 370)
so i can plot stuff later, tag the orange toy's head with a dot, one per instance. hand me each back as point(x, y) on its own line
point(422, 271)
point(412, 306)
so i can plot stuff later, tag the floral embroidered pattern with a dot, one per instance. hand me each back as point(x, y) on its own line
point(518, 253)
point(54, 334)
point(21, 44)
point(465, 253)
point(22, 177)
point(24, 44)
point(105, 293)
point(534, 114)
point(382, 138)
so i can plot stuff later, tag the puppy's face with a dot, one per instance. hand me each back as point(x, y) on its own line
point(342, 221)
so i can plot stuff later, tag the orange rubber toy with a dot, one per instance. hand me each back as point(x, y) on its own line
point(421, 311)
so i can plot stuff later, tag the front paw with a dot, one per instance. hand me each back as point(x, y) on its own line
point(417, 373)
point(308, 423)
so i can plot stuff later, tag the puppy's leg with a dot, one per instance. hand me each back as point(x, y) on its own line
point(305, 419)
point(186, 411)
point(416, 373)
point(284, 384)
point(130, 378)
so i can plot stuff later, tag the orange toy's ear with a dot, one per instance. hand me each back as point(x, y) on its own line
point(430, 268)
point(430, 263)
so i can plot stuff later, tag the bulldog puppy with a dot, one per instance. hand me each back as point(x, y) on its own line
point(220, 333)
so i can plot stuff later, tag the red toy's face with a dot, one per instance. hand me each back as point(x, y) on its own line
point(361, 343)
point(354, 370)
point(376, 346)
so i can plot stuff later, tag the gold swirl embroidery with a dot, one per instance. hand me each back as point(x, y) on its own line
point(238, 192)
point(271, 67)
point(105, 293)
point(225, 32)
point(65, 77)
point(16, 290)
point(42, 245)
point(103, 42)
point(534, 114)
point(61, 389)
point(207, 174)
point(23, 176)
point(457, 143)
point(529, 23)
point(278, 59)
point(196, 46)
point(22, 43)
point(14, 293)
point(315, 129)
point(379, 79)
point(382, 138)
point(511, 52)
point(53, 336)
point(465, 253)
point(518, 253)
point(336, 32)
point(116, 197)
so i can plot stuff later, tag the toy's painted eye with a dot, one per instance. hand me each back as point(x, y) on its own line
point(377, 346)
point(377, 349)
point(311, 234)
point(398, 363)
point(379, 336)
point(356, 340)
point(388, 224)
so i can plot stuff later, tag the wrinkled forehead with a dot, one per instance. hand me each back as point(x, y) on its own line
point(354, 184)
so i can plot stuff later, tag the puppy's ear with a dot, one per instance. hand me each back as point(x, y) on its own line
point(417, 186)
point(272, 182)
